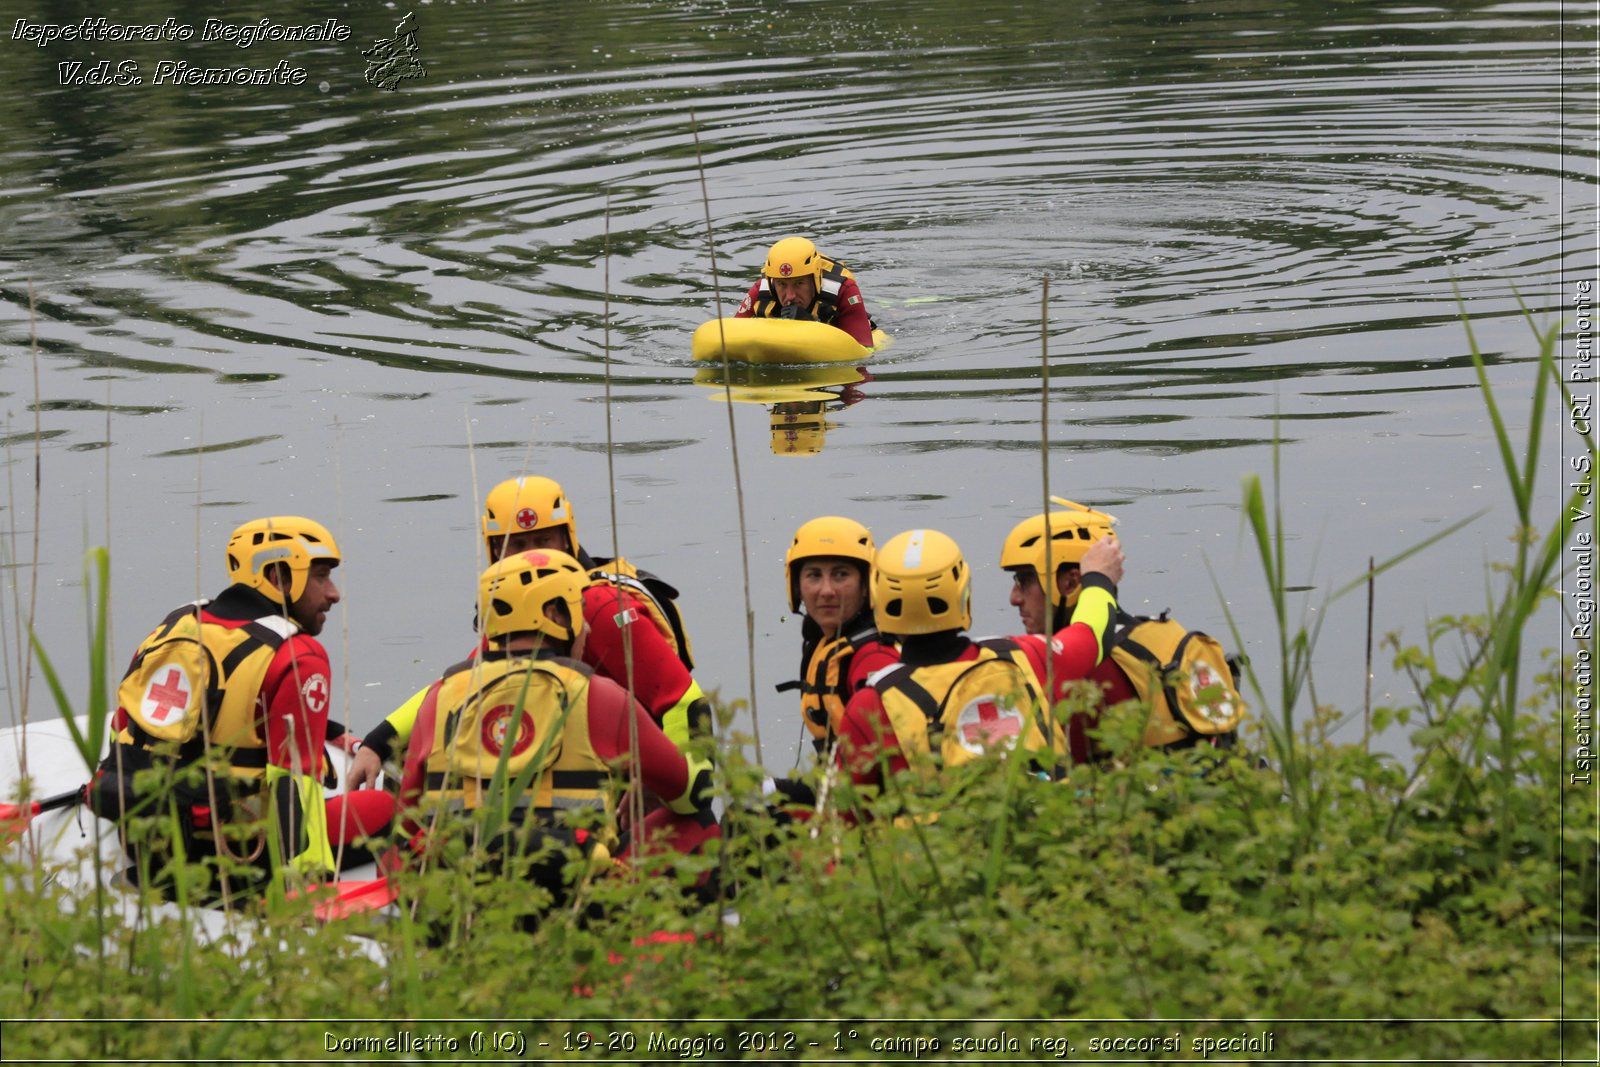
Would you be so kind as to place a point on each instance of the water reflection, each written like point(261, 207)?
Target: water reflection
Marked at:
point(798, 399)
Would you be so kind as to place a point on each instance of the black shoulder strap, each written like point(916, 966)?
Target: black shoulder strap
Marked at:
point(899, 680)
point(261, 636)
point(827, 300)
point(1002, 646)
point(862, 636)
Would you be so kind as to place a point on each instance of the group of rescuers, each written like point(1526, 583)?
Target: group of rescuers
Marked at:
point(581, 662)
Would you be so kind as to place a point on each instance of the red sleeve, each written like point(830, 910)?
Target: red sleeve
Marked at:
point(748, 307)
point(294, 701)
point(413, 776)
point(864, 733)
point(661, 765)
point(1075, 649)
point(659, 678)
point(853, 318)
point(869, 659)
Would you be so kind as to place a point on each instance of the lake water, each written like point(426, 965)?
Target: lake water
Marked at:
point(1256, 219)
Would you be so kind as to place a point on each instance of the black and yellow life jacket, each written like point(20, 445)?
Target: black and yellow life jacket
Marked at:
point(825, 308)
point(478, 718)
point(824, 678)
point(195, 684)
point(971, 707)
point(660, 601)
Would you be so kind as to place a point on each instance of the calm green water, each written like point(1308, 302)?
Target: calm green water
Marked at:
point(369, 306)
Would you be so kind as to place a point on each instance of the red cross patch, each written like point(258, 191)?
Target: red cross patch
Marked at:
point(984, 723)
point(314, 694)
point(785, 270)
point(527, 519)
point(170, 694)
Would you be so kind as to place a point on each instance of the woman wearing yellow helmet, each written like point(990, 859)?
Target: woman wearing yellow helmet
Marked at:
point(826, 569)
point(798, 282)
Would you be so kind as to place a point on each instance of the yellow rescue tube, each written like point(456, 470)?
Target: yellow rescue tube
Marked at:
point(780, 341)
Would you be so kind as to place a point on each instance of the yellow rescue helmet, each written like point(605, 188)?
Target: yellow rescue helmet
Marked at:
point(291, 540)
point(521, 505)
point(921, 584)
point(1071, 532)
point(794, 257)
point(513, 593)
point(831, 536)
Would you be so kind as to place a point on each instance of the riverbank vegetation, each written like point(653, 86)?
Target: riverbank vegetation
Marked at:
point(1305, 896)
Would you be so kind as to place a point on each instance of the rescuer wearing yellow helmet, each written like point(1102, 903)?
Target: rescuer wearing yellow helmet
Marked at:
point(241, 685)
point(634, 633)
point(1045, 603)
point(1030, 557)
point(827, 570)
point(955, 698)
point(798, 282)
point(1044, 554)
point(526, 697)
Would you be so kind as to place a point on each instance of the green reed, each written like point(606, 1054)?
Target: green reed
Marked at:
point(1536, 565)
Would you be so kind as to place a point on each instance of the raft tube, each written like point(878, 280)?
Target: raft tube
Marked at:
point(60, 835)
point(780, 341)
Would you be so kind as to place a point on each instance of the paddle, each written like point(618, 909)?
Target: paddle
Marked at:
point(14, 818)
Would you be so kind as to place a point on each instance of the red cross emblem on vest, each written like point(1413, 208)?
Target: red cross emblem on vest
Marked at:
point(527, 519)
point(785, 270)
point(166, 696)
point(314, 694)
point(991, 725)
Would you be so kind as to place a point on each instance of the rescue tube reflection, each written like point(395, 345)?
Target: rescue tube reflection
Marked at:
point(799, 399)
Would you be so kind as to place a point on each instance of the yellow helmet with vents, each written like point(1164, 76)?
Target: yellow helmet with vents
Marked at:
point(521, 505)
point(291, 540)
point(828, 535)
point(794, 257)
point(921, 584)
point(513, 595)
point(1071, 532)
